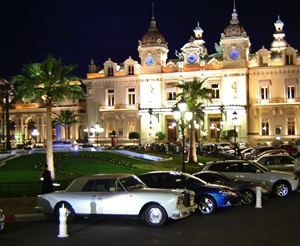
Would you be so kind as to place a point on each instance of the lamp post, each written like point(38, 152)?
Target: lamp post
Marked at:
point(234, 122)
point(181, 114)
point(97, 130)
point(35, 133)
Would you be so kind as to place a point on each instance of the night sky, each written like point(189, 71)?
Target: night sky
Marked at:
point(80, 30)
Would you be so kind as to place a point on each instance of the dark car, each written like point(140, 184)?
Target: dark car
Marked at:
point(247, 190)
point(208, 196)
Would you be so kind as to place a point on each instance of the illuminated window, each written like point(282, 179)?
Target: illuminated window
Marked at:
point(265, 127)
point(290, 90)
point(291, 126)
point(110, 71)
point(131, 95)
point(264, 92)
point(110, 97)
point(215, 88)
point(290, 87)
point(130, 70)
point(110, 126)
point(131, 126)
point(264, 61)
point(289, 60)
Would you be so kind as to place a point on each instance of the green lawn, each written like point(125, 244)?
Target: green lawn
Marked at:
point(69, 165)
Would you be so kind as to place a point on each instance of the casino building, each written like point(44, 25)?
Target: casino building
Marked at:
point(257, 94)
point(259, 91)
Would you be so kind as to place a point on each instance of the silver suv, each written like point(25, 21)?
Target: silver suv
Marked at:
point(281, 183)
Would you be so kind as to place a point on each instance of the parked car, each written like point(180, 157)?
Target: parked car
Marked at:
point(209, 197)
point(281, 183)
point(277, 161)
point(292, 150)
point(118, 195)
point(246, 189)
point(256, 151)
point(2, 219)
point(272, 152)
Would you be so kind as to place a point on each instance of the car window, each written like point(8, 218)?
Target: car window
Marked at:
point(285, 160)
point(132, 183)
point(233, 167)
point(248, 168)
point(219, 167)
point(210, 178)
point(100, 185)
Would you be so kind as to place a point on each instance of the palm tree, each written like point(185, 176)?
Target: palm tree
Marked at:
point(66, 118)
point(7, 93)
point(194, 93)
point(52, 82)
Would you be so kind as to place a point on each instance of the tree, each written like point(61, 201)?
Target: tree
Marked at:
point(133, 136)
point(194, 93)
point(161, 136)
point(232, 133)
point(7, 93)
point(66, 118)
point(53, 82)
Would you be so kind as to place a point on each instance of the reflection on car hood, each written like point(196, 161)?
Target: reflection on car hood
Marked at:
point(217, 186)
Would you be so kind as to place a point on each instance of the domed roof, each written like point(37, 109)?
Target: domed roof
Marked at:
point(153, 36)
point(234, 28)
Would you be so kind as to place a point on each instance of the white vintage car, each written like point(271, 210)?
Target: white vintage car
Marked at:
point(118, 194)
point(2, 219)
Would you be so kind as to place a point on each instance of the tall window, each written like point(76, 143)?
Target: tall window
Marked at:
point(131, 95)
point(264, 92)
point(290, 90)
point(131, 126)
point(130, 70)
point(264, 61)
point(110, 97)
point(171, 95)
point(216, 93)
point(265, 127)
point(110, 71)
point(289, 60)
point(291, 126)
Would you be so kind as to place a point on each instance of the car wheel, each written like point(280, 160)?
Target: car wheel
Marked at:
point(247, 196)
point(282, 189)
point(71, 213)
point(207, 205)
point(155, 215)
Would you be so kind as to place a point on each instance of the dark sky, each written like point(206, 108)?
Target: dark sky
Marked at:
point(80, 30)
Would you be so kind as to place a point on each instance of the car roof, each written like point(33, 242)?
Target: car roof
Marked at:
point(106, 175)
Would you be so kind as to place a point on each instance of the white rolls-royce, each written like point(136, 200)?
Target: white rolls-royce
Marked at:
point(118, 194)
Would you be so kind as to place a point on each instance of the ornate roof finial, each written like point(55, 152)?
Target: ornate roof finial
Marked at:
point(234, 15)
point(152, 22)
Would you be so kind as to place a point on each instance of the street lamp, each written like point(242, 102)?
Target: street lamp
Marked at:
point(97, 130)
point(35, 133)
point(234, 122)
point(181, 114)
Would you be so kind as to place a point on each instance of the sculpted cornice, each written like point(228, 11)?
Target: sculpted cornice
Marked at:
point(111, 81)
point(191, 75)
point(272, 72)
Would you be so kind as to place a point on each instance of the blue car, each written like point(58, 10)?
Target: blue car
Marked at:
point(209, 197)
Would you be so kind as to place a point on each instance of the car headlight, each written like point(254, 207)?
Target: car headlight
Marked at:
point(228, 193)
point(294, 177)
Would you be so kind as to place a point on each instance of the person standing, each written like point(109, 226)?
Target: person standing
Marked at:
point(297, 165)
point(47, 185)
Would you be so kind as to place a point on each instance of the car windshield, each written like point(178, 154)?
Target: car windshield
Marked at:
point(194, 179)
point(132, 183)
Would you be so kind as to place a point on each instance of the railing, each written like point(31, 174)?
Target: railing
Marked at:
point(28, 188)
point(278, 100)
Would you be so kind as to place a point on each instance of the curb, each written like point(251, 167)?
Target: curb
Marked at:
point(24, 217)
